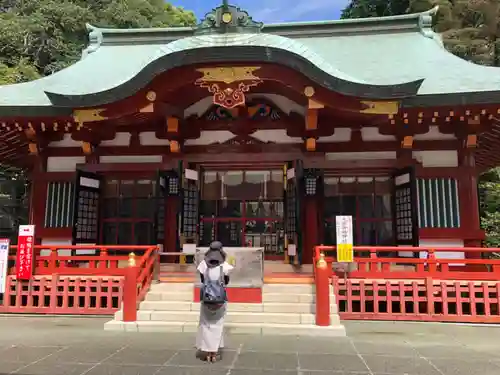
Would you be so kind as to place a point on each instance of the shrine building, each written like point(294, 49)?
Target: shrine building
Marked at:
point(258, 135)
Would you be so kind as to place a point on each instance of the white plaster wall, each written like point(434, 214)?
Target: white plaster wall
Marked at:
point(57, 242)
point(445, 158)
point(443, 243)
point(433, 134)
point(150, 139)
point(371, 155)
point(131, 159)
point(67, 141)
point(63, 251)
point(209, 137)
point(275, 135)
point(64, 163)
point(340, 135)
point(121, 139)
point(373, 134)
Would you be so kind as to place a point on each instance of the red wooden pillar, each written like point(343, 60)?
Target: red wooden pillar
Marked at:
point(171, 213)
point(470, 221)
point(38, 194)
point(311, 228)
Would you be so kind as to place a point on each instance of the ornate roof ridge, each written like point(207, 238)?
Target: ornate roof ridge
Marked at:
point(238, 21)
point(415, 21)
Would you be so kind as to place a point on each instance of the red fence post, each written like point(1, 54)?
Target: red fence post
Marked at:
point(322, 292)
point(130, 291)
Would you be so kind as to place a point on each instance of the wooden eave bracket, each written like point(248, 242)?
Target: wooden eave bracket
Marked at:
point(310, 144)
point(313, 108)
point(175, 146)
point(407, 142)
point(471, 141)
point(172, 125)
point(87, 148)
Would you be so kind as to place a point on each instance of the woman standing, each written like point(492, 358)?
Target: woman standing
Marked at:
point(212, 269)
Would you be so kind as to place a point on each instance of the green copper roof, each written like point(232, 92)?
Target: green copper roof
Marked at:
point(401, 50)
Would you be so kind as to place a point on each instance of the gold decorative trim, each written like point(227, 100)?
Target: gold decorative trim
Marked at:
point(228, 84)
point(228, 75)
point(88, 115)
point(151, 96)
point(322, 263)
point(380, 108)
point(309, 91)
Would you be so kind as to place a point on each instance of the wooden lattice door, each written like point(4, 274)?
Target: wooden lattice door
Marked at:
point(161, 184)
point(86, 208)
point(190, 204)
point(404, 207)
point(292, 198)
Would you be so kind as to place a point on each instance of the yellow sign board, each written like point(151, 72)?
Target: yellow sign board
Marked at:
point(345, 253)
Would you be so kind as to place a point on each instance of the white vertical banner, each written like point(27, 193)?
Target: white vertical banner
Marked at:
point(344, 229)
point(4, 262)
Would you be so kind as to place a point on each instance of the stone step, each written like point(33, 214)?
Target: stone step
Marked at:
point(293, 298)
point(185, 296)
point(172, 287)
point(267, 288)
point(291, 288)
point(274, 307)
point(231, 328)
point(232, 317)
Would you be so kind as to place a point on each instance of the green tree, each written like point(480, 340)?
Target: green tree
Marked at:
point(40, 37)
point(375, 8)
point(471, 30)
point(489, 193)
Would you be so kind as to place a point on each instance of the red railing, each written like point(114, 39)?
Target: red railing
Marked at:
point(79, 284)
point(378, 287)
point(376, 263)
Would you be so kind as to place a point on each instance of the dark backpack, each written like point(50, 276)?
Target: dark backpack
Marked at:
point(213, 292)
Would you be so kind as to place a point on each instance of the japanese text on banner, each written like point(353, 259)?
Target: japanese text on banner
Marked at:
point(24, 258)
point(344, 229)
point(4, 262)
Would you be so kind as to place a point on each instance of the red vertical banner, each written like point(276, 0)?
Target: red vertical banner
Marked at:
point(24, 258)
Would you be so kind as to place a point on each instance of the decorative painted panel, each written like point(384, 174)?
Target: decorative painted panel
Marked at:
point(59, 205)
point(438, 203)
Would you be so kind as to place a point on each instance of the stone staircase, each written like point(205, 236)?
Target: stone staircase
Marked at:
point(287, 309)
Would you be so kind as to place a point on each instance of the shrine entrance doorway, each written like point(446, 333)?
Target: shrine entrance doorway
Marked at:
point(244, 208)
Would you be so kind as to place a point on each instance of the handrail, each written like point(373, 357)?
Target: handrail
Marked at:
point(98, 264)
point(370, 265)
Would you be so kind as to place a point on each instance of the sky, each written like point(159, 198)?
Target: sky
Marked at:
point(273, 11)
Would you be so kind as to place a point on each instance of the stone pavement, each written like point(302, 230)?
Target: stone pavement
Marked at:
point(79, 346)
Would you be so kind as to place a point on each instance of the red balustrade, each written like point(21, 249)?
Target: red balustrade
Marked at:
point(377, 263)
point(84, 284)
point(430, 288)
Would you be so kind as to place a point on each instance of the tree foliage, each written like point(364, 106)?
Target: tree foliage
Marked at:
point(470, 29)
point(40, 37)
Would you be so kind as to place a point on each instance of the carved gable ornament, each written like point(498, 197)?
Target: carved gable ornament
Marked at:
point(227, 19)
point(228, 84)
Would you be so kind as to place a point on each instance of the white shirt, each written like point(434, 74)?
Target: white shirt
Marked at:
point(214, 273)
